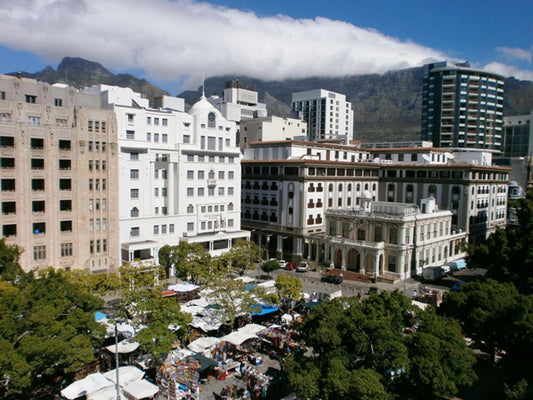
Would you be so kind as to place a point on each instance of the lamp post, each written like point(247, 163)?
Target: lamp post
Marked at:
point(116, 361)
point(268, 246)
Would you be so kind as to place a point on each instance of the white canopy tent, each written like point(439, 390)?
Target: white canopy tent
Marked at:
point(140, 389)
point(243, 334)
point(90, 384)
point(124, 347)
point(204, 345)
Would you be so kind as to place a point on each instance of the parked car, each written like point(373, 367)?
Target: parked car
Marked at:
point(291, 266)
point(282, 263)
point(332, 279)
point(446, 270)
point(303, 267)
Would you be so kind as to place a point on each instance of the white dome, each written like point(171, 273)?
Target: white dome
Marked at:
point(202, 108)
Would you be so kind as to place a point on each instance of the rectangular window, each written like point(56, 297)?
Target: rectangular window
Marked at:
point(156, 137)
point(66, 249)
point(66, 205)
point(164, 192)
point(190, 158)
point(130, 135)
point(135, 231)
point(163, 229)
point(30, 98)
point(148, 136)
point(156, 229)
point(164, 122)
point(58, 102)
point(156, 192)
point(171, 228)
point(156, 121)
point(134, 156)
point(91, 246)
point(130, 118)
point(190, 174)
point(190, 226)
point(201, 191)
point(148, 120)
point(39, 253)
point(231, 175)
point(201, 174)
point(164, 138)
point(65, 226)
point(134, 193)
point(190, 192)
point(186, 139)
point(34, 120)
point(220, 174)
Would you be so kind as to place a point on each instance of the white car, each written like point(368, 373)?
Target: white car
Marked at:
point(303, 267)
point(282, 263)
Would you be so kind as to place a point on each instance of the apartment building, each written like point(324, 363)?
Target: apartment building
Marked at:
point(58, 171)
point(271, 128)
point(179, 175)
point(328, 115)
point(462, 107)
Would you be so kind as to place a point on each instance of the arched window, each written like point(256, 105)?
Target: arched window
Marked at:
point(190, 209)
point(230, 207)
point(349, 187)
point(211, 120)
point(340, 187)
point(374, 187)
point(366, 186)
point(358, 187)
point(134, 212)
point(211, 174)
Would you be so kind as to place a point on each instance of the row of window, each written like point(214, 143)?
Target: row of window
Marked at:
point(39, 252)
point(38, 228)
point(164, 121)
point(97, 224)
point(95, 164)
point(96, 146)
point(37, 185)
point(98, 246)
point(211, 159)
point(211, 174)
point(94, 184)
point(96, 126)
point(35, 143)
point(210, 191)
point(38, 206)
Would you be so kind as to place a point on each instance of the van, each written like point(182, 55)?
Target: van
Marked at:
point(446, 270)
point(458, 265)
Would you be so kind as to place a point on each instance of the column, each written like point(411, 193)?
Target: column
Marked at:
point(362, 261)
point(279, 246)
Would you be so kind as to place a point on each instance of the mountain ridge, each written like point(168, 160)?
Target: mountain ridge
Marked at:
point(386, 106)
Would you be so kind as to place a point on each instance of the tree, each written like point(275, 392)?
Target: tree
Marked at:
point(47, 327)
point(10, 269)
point(161, 317)
point(360, 350)
point(289, 289)
point(192, 261)
point(269, 266)
point(243, 255)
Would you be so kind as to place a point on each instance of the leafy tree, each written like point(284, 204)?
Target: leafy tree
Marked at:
point(47, 329)
point(192, 261)
point(360, 351)
point(269, 266)
point(161, 316)
point(132, 277)
point(243, 255)
point(289, 289)
point(10, 269)
point(234, 299)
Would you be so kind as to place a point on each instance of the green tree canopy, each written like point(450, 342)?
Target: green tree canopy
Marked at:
point(10, 269)
point(289, 289)
point(269, 266)
point(243, 255)
point(47, 329)
point(360, 350)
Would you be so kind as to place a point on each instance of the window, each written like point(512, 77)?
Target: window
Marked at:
point(164, 138)
point(36, 143)
point(190, 209)
point(171, 228)
point(134, 156)
point(39, 253)
point(58, 102)
point(148, 136)
point(230, 191)
point(148, 120)
point(66, 226)
point(134, 212)
point(34, 120)
point(36, 185)
point(190, 174)
point(156, 229)
point(190, 192)
point(164, 192)
point(190, 226)
point(134, 231)
point(156, 192)
point(30, 98)
point(10, 207)
point(91, 246)
point(65, 205)
point(231, 175)
point(130, 118)
point(130, 135)
point(134, 193)
point(156, 137)
point(220, 174)
point(156, 121)
point(190, 158)
point(164, 122)
point(186, 138)
point(163, 229)
point(201, 192)
point(66, 249)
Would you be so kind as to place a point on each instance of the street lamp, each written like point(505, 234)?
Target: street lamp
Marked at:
point(116, 361)
point(268, 246)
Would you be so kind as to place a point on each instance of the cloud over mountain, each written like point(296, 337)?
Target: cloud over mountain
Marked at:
point(180, 40)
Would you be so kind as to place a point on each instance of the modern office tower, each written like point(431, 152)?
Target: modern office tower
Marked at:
point(239, 102)
point(179, 175)
point(328, 114)
point(462, 107)
point(58, 171)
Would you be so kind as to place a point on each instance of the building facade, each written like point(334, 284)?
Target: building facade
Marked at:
point(271, 129)
point(179, 176)
point(328, 115)
point(58, 169)
point(462, 107)
point(239, 102)
point(392, 241)
point(289, 186)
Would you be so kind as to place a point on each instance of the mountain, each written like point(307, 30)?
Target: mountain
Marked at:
point(80, 73)
point(386, 107)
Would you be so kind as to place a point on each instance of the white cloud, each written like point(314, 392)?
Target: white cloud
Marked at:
point(516, 53)
point(509, 70)
point(180, 40)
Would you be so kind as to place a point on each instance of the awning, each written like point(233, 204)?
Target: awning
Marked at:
point(90, 384)
point(140, 389)
point(99, 315)
point(203, 344)
point(245, 279)
point(124, 347)
point(183, 287)
point(243, 334)
point(265, 309)
point(205, 362)
point(127, 374)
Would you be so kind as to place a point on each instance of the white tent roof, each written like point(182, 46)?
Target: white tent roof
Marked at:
point(419, 304)
point(180, 354)
point(124, 347)
point(267, 284)
point(202, 344)
point(206, 324)
point(245, 279)
point(193, 310)
point(127, 374)
point(201, 302)
point(140, 389)
point(85, 386)
point(243, 334)
point(107, 393)
point(183, 287)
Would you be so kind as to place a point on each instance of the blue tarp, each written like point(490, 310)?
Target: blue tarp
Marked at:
point(265, 309)
point(98, 315)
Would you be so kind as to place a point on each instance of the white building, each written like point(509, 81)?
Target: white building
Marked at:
point(239, 102)
point(271, 129)
point(179, 175)
point(391, 241)
point(328, 114)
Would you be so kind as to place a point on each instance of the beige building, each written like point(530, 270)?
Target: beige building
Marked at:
point(271, 129)
point(58, 176)
point(391, 241)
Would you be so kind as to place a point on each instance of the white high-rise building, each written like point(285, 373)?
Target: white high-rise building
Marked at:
point(179, 175)
point(328, 115)
point(239, 102)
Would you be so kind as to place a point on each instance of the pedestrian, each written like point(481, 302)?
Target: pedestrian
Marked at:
point(415, 293)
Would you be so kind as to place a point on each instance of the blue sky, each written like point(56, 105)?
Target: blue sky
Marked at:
point(173, 42)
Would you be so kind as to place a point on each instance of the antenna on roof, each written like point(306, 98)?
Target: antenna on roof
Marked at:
point(203, 85)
